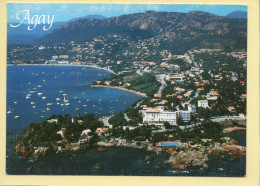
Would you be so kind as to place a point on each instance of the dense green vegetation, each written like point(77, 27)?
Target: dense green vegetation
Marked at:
point(45, 133)
point(146, 83)
point(207, 130)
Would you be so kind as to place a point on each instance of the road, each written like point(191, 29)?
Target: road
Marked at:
point(138, 103)
point(139, 72)
point(216, 119)
point(126, 117)
point(161, 78)
point(223, 118)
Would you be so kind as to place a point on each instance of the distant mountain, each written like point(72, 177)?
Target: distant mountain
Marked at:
point(237, 14)
point(21, 35)
point(94, 16)
point(177, 30)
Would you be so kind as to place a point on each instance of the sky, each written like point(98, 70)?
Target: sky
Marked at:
point(65, 11)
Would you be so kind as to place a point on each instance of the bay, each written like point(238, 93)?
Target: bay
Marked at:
point(50, 80)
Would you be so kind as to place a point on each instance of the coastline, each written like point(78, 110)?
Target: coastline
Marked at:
point(121, 88)
point(93, 66)
point(232, 129)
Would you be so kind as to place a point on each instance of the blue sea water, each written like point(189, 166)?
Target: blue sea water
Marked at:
point(50, 80)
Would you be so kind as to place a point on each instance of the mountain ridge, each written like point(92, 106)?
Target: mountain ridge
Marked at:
point(237, 14)
point(193, 25)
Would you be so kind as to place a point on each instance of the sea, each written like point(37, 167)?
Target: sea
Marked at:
point(35, 92)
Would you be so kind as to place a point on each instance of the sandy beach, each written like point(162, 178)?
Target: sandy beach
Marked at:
point(121, 88)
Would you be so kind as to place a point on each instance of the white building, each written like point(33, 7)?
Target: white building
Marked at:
point(184, 115)
point(54, 57)
point(53, 121)
point(63, 62)
point(191, 108)
point(158, 116)
point(203, 103)
point(64, 56)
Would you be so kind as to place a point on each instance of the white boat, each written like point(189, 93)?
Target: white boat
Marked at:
point(34, 107)
point(39, 93)
point(27, 97)
point(47, 108)
point(61, 104)
point(39, 86)
point(44, 97)
point(76, 109)
point(65, 97)
point(58, 103)
point(16, 117)
point(15, 102)
point(58, 99)
point(61, 91)
point(44, 80)
point(66, 101)
point(9, 112)
point(49, 104)
point(67, 104)
point(79, 101)
point(42, 116)
point(32, 103)
point(31, 92)
point(75, 97)
point(84, 105)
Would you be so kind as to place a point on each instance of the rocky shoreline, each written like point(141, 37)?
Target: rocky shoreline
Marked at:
point(232, 129)
point(197, 155)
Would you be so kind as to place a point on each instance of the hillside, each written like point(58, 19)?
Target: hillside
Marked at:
point(183, 29)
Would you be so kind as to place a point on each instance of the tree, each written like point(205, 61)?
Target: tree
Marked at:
point(212, 129)
point(167, 125)
point(159, 137)
point(180, 121)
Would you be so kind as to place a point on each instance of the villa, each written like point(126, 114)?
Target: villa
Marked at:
point(203, 103)
point(101, 131)
point(158, 116)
